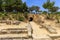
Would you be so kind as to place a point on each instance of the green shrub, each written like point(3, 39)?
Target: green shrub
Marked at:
point(44, 12)
point(26, 15)
point(21, 19)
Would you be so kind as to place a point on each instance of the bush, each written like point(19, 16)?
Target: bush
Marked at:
point(21, 19)
point(44, 12)
point(26, 15)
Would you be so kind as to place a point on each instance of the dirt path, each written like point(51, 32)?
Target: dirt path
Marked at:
point(37, 31)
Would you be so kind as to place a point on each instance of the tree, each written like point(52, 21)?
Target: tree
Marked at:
point(25, 7)
point(0, 5)
point(34, 8)
point(31, 9)
point(10, 4)
point(13, 5)
point(48, 5)
point(4, 4)
point(54, 9)
point(18, 6)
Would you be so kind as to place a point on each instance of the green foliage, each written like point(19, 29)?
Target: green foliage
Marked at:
point(57, 18)
point(0, 5)
point(44, 12)
point(48, 5)
point(25, 7)
point(34, 8)
point(21, 19)
point(54, 9)
point(26, 15)
point(51, 8)
point(57, 13)
point(10, 5)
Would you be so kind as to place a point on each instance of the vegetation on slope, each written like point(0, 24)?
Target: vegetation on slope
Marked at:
point(18, 10)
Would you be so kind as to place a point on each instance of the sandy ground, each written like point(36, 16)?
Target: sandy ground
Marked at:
point(4, 26)
point(41, 31)
point(37, 31)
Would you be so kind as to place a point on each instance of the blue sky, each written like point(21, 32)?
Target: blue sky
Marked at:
point(40, 3)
